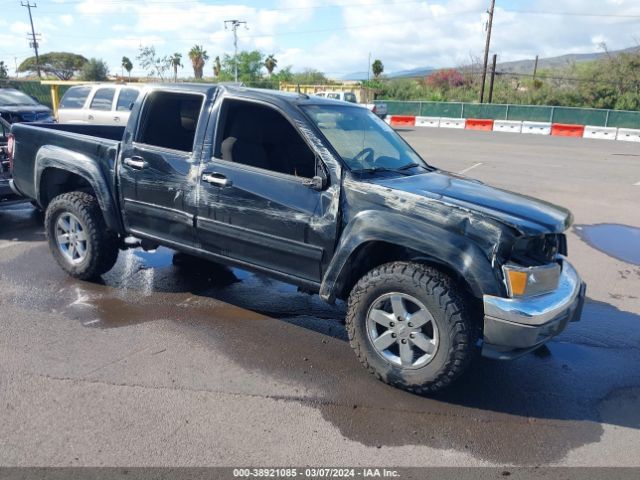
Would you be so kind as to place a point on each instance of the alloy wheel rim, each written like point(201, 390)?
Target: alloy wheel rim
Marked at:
point(402, 330)
point(71, 238)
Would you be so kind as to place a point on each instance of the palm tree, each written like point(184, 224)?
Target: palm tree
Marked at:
point(127, 65)
point(270, 63)
point(217, 67)
point(176, 61)
point(198, 57)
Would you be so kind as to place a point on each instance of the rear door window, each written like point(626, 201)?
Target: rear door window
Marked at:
point(169, 120)
point(126, 98)
point(75, 97)
point(103, 99)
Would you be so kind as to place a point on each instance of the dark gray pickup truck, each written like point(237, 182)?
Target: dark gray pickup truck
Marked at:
point(322, 194)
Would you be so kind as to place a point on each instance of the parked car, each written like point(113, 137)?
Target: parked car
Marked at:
point(101, 104)
point(5, 168)
point(380, 109)
point(17, 106)
point(321, 194)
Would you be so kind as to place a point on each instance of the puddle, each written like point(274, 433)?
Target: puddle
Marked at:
point(621, 242)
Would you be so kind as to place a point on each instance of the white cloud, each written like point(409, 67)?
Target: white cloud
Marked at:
point(66, 20)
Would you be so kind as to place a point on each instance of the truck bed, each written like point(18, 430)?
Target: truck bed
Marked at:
point(97, 144)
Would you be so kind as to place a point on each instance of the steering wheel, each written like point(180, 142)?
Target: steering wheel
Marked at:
point(366, 154)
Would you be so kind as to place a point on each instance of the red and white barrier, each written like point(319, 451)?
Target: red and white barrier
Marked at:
point(452, 122)
point(431, 122)
point(604, 133)
point(479, 124)
point(403, 121)
point(536, 128)
point(628, 135)
point(567, 130)
point(510, 126)
point(533, 128)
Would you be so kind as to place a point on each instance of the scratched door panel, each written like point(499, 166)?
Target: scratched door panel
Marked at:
point(163, 204)
point(263, 218)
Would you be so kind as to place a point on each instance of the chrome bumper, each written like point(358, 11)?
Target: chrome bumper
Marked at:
point(515, 326)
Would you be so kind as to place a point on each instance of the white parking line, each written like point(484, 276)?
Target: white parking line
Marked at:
point(470, 168)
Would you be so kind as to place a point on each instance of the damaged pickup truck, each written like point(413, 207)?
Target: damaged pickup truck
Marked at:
point(434, 267)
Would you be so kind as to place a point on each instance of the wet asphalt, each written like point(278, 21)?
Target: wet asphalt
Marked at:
point(174, 361)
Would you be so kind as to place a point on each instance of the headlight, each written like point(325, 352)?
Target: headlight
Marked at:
point(529, 281)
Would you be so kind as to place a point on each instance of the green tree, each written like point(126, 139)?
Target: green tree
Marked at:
point(198, 56)
point(153, 63)
point(176, 61)
point(309, 76)
point(95, 70)
point(377, 68)
point(127, 65)
point(4, 71)
point(270, 64)
point(63, 65)
point(249, 66)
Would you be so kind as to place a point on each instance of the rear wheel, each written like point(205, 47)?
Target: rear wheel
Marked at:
point(78, 237)
point(409, 326)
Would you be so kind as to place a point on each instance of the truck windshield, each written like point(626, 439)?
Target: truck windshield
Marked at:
point(364, 142)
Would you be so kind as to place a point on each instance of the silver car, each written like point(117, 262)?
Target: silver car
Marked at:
point(101, 104)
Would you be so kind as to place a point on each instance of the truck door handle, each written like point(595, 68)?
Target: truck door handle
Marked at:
point(216, 179)
point(136, 163)
point(116, 119)
point(90, 117)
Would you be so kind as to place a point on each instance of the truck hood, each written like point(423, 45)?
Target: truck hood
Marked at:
point(526, 214)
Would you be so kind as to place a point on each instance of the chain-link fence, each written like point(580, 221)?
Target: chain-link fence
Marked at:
point(42, 93)
point(533, 113)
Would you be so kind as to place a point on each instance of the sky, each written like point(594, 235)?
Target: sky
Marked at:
point(334, 36)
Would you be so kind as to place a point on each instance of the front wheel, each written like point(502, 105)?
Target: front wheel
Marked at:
point(409, 326)
point(78, 237)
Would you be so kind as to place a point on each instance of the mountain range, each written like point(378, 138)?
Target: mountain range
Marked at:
point(518, 66)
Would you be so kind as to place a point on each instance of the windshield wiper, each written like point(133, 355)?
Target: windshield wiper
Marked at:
point(408, 166)
point(381, 169)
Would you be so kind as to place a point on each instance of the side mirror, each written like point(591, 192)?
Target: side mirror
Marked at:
point(316, 183)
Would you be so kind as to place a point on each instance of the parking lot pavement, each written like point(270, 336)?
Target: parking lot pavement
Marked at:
point(167, 361)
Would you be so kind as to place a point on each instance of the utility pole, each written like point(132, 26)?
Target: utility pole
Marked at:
point(486, 49)
point(234, 26)
point(493, 77)
point(368, 78)
point(535, 68)
point(34, 42)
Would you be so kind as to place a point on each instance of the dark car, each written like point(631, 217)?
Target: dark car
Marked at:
point(5, 174)
point(321, 194)
point(17, 106)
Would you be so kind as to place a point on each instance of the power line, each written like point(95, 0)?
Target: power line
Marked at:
point(34, 41)
point(234, 26)
point(486, 48)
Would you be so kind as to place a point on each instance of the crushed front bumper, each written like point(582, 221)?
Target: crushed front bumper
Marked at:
point(515, 326)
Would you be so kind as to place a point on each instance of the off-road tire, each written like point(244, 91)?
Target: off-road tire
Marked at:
point(102, 244)
point(446, 303)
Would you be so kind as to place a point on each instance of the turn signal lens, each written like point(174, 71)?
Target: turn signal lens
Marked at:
point(530, 281)
point(517, 281)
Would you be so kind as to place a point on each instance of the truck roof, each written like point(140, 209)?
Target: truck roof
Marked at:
point(273, 96)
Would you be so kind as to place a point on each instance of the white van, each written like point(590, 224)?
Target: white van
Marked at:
point(101, 104)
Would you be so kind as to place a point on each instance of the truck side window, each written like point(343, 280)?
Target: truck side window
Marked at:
point(75, 97)
point(260, 136)
point(103, 99)
point(169, 120)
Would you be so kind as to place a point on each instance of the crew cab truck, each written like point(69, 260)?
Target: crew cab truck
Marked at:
point(434, 266)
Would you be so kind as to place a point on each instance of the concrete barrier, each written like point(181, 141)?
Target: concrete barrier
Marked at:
point(567, 130)
point(628, 135)
point(511, 126)
point(605, 133)
point(536, 128)
point(432, 122)
point(403, 121)
point(479, 124)
point(452, 122)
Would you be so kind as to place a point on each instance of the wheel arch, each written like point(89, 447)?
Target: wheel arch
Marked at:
point(59, 171)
